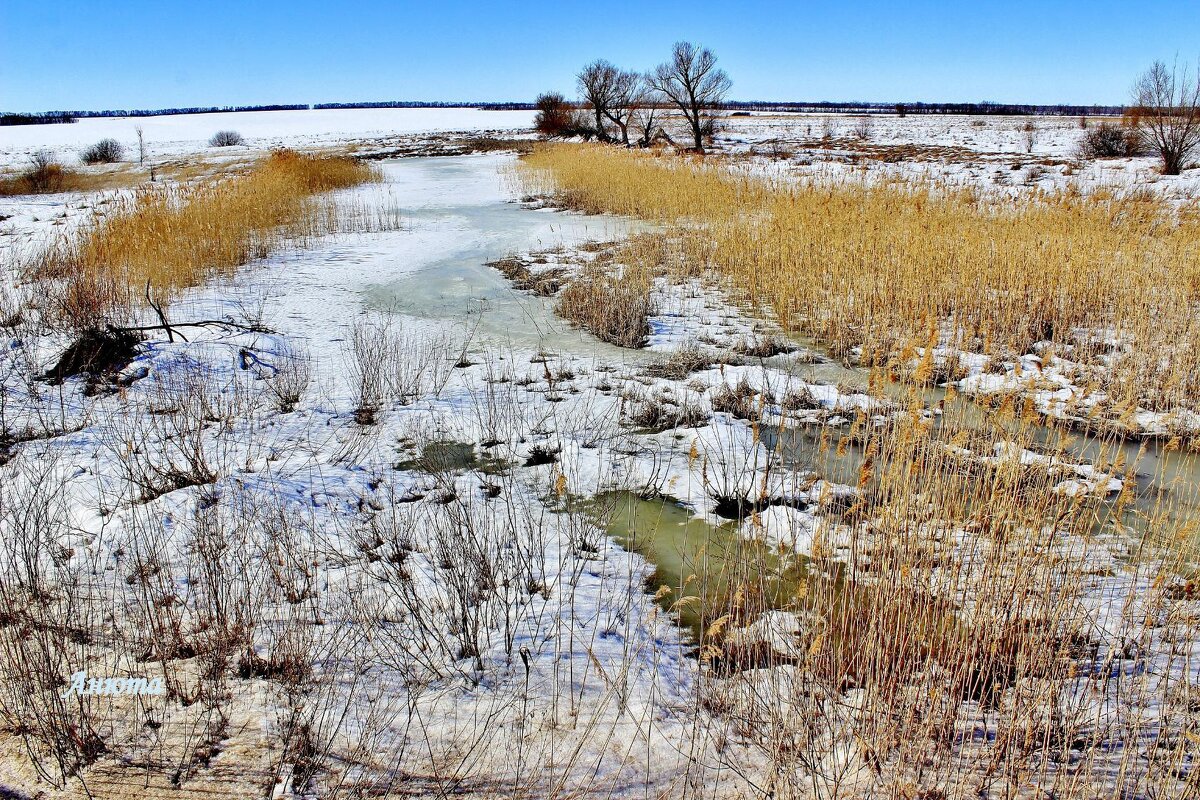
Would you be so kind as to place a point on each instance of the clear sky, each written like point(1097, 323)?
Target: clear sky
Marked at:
point(67, 54)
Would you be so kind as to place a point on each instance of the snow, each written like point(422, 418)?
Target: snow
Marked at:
point(987, 153)
point(577, 667)
point(180, 134)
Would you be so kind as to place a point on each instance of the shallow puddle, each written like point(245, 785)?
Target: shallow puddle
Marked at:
point(706, 569)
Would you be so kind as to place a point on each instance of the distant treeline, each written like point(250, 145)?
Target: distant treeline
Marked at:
point(983, 108)
point(49, 117)
point(71, 116)
point(431, 104)
point(36, 119)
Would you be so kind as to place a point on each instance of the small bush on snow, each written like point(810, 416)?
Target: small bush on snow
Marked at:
point(225, 139)
point(105, 151)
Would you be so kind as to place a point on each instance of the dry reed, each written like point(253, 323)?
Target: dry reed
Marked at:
point(881, 267)
point(177, 236)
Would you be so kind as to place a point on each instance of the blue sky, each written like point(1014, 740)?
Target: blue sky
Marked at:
point(57, 54)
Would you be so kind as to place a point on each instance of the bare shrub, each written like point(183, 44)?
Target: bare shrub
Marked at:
point(553, 115)
point(105, 151)
point(226, 139)
point(293, 373)
point(48, 620)
point(459, 585)
point(1167, 111)
point(863, 127)
point(183, 436)
point(653, 413)
point(387, 363)
point(43, 176)
point(1108, 140)
point(1029, 135)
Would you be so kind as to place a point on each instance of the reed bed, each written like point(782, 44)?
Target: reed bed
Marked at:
point(875, 270)
point(966, 624)
point(612, 300)
point(975, 620)
point(177, 236)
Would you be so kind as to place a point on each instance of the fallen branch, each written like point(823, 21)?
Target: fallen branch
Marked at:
point(172, 327)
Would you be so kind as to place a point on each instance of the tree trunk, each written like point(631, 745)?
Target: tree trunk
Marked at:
point(600, 134)
point(1172, 162)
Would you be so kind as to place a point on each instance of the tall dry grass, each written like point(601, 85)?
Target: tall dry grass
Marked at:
point(612, 300)
point(176, 236)
point(884, 267)
point(975, 620)
point(969, 623)
point(44, 175)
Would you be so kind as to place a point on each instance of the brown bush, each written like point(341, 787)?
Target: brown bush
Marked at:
point(553, 115)
point(44, 175)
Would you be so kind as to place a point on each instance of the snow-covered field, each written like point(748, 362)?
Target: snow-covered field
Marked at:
point(464, 624)
point(187, 134)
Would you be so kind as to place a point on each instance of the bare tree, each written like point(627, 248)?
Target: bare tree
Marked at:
point(1167, 109)
point(693, 82)
point(598, 86)
point(629, 94)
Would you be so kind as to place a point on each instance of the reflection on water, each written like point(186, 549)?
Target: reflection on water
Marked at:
point(1168, 480)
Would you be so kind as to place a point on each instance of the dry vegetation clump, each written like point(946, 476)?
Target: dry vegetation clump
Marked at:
point(652, 413)
point(43, 176)
point(543, 283)
point(225, 139)
point(681, 363)
point(177, 236)
point(1109, 140)
point(611, 303)
point(884, 267)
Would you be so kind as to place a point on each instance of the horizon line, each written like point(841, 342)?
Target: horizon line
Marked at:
point(526, 105)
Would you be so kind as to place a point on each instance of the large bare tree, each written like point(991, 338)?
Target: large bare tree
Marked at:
point(1167, 108)
point(692, 81)
point(598, 85)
